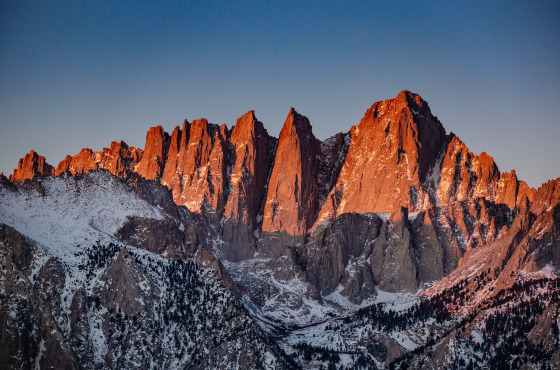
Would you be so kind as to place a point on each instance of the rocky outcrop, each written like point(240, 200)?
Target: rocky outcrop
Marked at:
point(81, 163)
point(30, 166)
point(292, 198)
point(197, 174)
point(466, 175)
point(428, 248)
point(330, 249)
point(176, 158)
point(119, 159)
point(30, 334)
point(523, 250)
point(153, 160)
point(392, 260)
point(390, 154)
point(248, 181)
point(160, 236)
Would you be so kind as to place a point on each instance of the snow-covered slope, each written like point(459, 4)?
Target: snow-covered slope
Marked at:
point(63, 212)
point(78, 297)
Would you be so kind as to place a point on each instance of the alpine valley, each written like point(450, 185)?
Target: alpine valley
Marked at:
point(387, 246)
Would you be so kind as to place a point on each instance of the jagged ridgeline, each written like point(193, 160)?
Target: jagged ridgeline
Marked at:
point(390, 245)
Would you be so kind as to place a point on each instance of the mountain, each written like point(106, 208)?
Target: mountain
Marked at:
point(30, 166)
point(85, 287)
point(388, 245)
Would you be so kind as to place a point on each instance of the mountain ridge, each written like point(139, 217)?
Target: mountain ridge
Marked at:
point(391, 245)
point(402, 140)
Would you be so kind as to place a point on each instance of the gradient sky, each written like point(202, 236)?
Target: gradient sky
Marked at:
point(81, 74)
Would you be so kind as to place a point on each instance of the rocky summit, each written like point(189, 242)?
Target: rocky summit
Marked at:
point(387, 246)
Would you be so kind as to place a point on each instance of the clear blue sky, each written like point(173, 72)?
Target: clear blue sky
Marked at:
point(81, 74)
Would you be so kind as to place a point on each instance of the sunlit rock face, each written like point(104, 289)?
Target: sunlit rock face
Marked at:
point(276, 192)
point(200, 174)
point(250, 165)
point(466, 175)
point(392, 151)
point(119, 159)
point(292, 198)
point(30, 166)
point(155, 154)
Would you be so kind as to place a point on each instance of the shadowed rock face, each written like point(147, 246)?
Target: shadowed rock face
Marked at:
point(26, 308)
point(332, 247)
point(30, 166)
point(357, 252)
point(392, 260)
point(251, 161)
point(429, 251)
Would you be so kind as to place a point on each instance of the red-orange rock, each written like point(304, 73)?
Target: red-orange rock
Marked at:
point(507, 189)
point(250, 141)
point(30, 166)
point(292, 198)
point(82, 162)
point(251, 153)
point(465, 175)
point(523, 191)
point(152, 164)
point(173, 170)
point(118, 159)
point(196, 174)
point(391, 152)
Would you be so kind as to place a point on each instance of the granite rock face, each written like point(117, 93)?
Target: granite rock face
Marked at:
point(465, 175)
point(526, 246)
point(266, 196)
point(252, 160)
point(330, 250)
point(392, 260)
point(429, 251)
point(155, 154)
point(390, 154)
point(292, 199)
point(30, 166)
point(119, 159)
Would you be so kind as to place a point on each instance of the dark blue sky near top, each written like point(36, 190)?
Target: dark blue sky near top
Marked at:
point(81, 74)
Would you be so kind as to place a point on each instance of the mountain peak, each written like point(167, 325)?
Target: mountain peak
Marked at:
point(155, 154)
point(30, 166)
point(291, 201)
